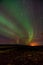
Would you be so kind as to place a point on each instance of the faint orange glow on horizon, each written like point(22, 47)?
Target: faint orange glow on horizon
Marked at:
point(34, 44)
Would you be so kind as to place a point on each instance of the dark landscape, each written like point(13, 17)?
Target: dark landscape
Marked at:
point(21, 55)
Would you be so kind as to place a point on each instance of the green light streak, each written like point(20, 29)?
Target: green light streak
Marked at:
point(7, 33)
point(19, 12)
point(16, 9)
point(10, 25)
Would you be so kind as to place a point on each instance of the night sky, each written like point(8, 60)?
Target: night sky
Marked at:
point(21, 19)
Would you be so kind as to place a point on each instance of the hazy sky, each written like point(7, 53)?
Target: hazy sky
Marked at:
point(34, 9)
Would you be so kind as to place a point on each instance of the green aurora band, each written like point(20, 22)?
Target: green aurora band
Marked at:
point(7, 23)
point(16, 9)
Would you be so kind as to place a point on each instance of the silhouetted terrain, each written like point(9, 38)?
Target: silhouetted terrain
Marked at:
point(21, 55)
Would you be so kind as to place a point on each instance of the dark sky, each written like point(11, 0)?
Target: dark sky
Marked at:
point(36, 15)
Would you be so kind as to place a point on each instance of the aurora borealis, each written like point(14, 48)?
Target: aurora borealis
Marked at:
point(16, 20)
